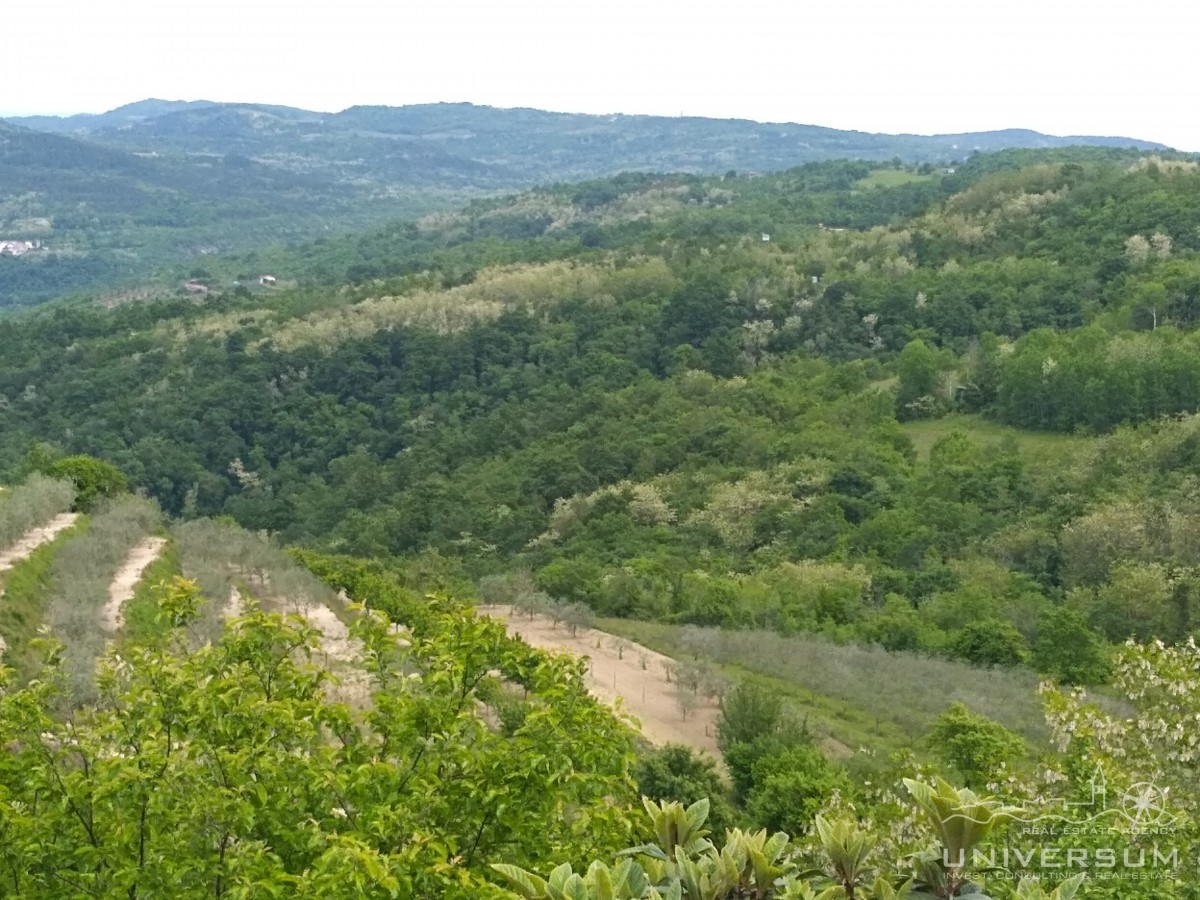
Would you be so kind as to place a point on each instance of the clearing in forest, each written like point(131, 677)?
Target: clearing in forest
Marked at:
point(127, 577)
point(623, 669)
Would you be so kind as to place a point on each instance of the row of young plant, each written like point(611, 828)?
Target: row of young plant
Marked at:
point(226, 560)
point(1010, 841)
point(80, 577)
point(227, 769)
point(33, 502)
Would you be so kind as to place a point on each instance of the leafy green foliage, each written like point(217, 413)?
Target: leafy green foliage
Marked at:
point(974, 745)
point(748, 712)
point(94, 479)
point(160, 790)
point(990, 643)
point(1068, 650)
point(677, 773)
point(790, 785)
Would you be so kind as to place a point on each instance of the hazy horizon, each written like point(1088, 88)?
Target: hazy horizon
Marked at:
point(12, 114)
point(930, 67)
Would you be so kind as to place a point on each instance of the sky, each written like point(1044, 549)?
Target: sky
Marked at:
point(922, 66)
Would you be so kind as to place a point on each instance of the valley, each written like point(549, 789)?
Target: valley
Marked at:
point(454, 551)
point(140, 199)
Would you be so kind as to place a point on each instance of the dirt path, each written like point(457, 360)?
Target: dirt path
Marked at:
point(636, 674)
point(236, 606)
point(34, 538)
point(335, 637)
point(126, 579)
point(343, 655)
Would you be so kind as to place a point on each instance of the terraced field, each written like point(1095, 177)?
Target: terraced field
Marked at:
point(629, 676)
point(90, 580)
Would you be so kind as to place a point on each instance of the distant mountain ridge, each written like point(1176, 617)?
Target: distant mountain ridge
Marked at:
point(520, 146)
point(114, 196)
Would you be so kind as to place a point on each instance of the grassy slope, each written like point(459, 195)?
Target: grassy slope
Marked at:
point(1037, 446)
point(860, 713)
point(26, 595)
point(891, 178)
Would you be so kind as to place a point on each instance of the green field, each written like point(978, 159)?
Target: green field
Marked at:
point(891, 178)
point(1036, 445)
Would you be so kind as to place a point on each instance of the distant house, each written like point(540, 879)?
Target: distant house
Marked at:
point(766, 237)
point(18, 248)
point(266, 279)
point(195, 287)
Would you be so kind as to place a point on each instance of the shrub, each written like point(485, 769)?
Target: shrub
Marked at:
point(1068, 650)
point(973, 744)
point(677, 773)
point(989, 643)
point(94, 479)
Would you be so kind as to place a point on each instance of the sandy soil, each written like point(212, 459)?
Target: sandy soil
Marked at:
point(127, 578)
point(236, 606)
point(341, 652)
point(643, 690)
point(342, 655)
point(34, 538)
point(335, 637)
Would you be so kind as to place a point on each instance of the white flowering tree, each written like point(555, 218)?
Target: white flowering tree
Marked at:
point(1140, 755)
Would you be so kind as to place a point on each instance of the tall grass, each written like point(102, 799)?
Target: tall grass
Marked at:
point(34, 502)
point(81, 574)
point(219, 557)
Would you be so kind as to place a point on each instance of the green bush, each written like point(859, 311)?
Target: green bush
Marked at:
point(677, 773)
point(94, 479)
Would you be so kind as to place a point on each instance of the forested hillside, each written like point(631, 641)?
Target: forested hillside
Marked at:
point(869, 450)
point(508, 147)
point(663, 415)
point(141, 197)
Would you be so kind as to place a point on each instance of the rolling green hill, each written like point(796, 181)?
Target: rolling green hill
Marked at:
point(114, 197)
point(868, 448)
point(511, 147)
point(623, 388)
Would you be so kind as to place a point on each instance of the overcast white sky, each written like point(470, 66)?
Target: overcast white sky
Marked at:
point(925, 66)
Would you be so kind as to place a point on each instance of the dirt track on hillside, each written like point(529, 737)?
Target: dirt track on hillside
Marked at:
point(343, 656)
point(643, 689)
point(236, 606)
point(126, 579)
point(30, 541)
point(34, 538)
